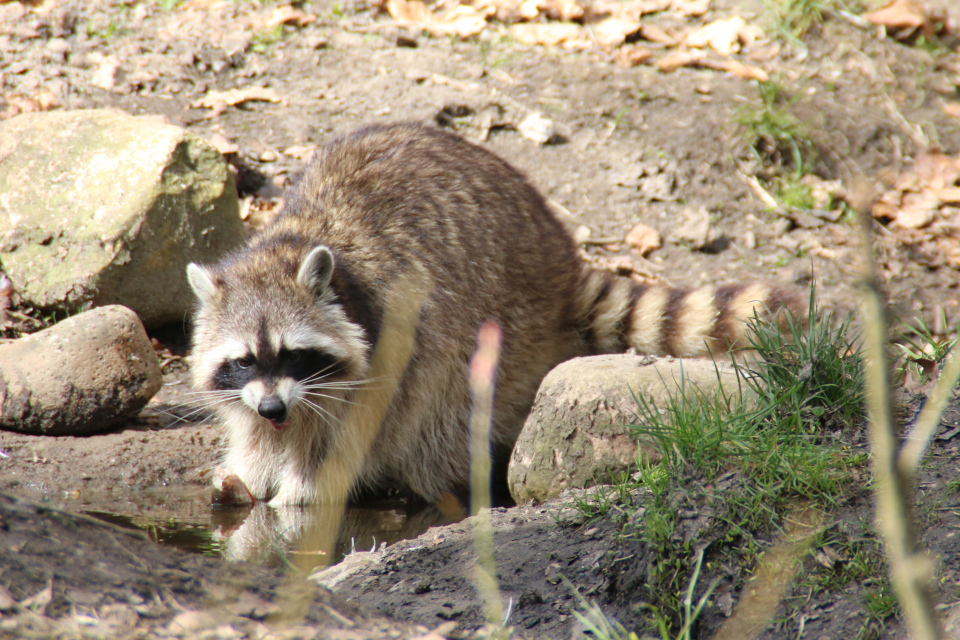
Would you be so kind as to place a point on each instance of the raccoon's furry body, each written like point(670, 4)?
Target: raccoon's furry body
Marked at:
point(309, 293)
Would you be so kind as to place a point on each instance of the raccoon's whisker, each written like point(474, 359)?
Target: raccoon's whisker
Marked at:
point(336, 383)
point(328, 387)
point(321, 374)
point(199, 404)
point(327, 417)
point(188, 416)
point(176, 419)
point(325, 395)
point(216, 393)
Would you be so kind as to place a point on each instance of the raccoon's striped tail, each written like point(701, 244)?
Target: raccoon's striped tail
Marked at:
point(616, 314)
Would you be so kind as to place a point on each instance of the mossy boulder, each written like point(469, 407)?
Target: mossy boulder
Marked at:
point(99, 208)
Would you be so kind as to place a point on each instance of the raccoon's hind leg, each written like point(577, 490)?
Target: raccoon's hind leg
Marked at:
point(616, 314)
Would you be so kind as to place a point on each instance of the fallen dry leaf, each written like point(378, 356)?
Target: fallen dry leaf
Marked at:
point(724, 36)
point(690, 8)
point(700, 58)
point(825, 193)
point(745, 71)
point(632, 55)
point(224, 146)
point(935, 169)
point(632, 9)
point(683, 58)
point(901, 16)
point(952, 109)
point(301, 152)
point(288, 14)
point(567, 34)
point(917, 210)
point(42, 100)
point(213, 99)
point(921, 212)
point(653, 33)
point(565, 10)
point(613, 32)
point(643, 239)
point(947, 195)
point(505, 11)
point(460, 20)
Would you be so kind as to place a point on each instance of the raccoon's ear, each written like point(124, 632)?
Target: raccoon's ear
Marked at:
point(201, 282)
point(316, 269)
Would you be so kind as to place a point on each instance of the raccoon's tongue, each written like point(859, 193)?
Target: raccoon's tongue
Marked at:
point(279, 425)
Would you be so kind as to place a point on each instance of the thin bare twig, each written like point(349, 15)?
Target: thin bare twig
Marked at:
point(910, 570)
point(483, 367)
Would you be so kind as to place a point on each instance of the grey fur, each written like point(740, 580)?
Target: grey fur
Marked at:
point(385, 199)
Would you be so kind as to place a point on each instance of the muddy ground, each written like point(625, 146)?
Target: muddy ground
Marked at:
point(633, 145)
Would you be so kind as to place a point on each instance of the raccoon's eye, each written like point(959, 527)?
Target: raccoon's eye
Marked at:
point(294, 354)
point(245, 362)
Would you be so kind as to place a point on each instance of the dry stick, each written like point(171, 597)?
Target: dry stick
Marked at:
point(762, 596)
point(359, 429)
point(483, 367)
point(910, 570)
point(923, 431)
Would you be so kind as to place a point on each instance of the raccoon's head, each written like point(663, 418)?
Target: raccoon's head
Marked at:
point(270, 337)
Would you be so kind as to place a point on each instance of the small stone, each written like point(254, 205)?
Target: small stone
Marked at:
point(537, 128)
point(108, 73)
point(423, 586)
point(58, 45)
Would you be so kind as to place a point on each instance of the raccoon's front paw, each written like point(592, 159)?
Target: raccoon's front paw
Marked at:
point(288, 498)
point(294, 492)
point(229, 490)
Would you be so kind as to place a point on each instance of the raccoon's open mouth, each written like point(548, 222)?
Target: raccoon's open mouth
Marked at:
point(279, 425)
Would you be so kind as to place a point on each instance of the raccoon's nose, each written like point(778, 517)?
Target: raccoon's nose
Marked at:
point(272, 408)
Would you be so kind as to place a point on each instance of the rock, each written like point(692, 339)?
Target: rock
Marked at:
point(82, 376)
point(356, 563)
point(101, 208)
point(576, 433)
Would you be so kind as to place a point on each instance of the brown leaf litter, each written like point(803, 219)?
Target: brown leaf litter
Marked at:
point(922, 209)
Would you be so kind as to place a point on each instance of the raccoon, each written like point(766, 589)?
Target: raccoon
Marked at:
point(285, 327)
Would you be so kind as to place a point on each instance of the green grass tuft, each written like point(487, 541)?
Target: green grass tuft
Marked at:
point(777, 137)
point(746, 458)
point(922, 351)
point(793, 19)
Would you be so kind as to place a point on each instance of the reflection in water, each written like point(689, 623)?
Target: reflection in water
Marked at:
point(189, 536)
point(272, 535)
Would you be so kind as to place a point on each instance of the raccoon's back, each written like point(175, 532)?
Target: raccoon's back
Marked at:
point(386, 199)
point(386, 195)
